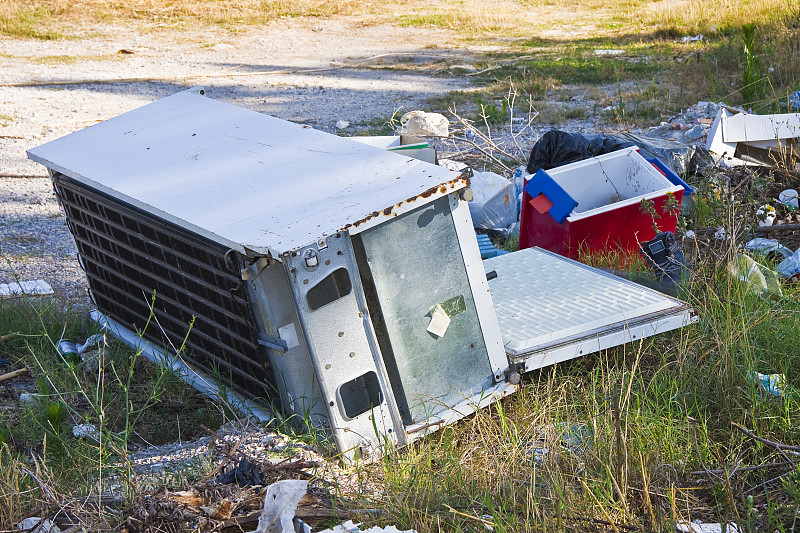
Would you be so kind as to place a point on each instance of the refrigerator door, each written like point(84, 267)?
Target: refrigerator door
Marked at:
point(551, 308)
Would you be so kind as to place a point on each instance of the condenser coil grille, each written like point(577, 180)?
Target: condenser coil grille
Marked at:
point(135, 261)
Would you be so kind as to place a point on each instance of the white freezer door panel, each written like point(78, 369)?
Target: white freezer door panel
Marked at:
point(544, 300)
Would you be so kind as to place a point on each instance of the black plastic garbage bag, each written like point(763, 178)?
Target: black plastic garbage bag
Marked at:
point(245, 474)
point(557, 148)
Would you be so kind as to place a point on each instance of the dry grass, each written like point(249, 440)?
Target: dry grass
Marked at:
point(563, 20)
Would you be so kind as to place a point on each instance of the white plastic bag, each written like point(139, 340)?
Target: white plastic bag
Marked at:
point(494, 205)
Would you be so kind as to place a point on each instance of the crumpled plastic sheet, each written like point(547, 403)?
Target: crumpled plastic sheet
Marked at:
point(494, 202)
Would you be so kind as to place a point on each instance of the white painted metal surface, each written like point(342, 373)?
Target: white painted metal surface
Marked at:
point(239, 177)
point(546, 302)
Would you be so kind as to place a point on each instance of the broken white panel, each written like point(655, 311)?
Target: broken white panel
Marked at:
point(715, 143)
point(744, 127)
point(37, 287)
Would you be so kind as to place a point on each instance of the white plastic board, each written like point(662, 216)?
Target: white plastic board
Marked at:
point(744, 127)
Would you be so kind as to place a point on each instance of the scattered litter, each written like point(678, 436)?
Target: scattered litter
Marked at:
point(766, 216)
point(701, 114)
point(36, 525)
point(280, 504)
point(790, 267)
point(691, 38)
point(665, 257)
point(37, 287)
point(760, 278)
point(608, 52)
point(342, 124)
point(789, 198)
point(350, 527)
point(72, 352)
point(690, 234)
point(86, 431)
point(768, 247)
point(245, 474)
point(573, 437)
point(494, 204)
point(794, 100)
point(772, 384)
point(455, 166)
point(754, 139)
point(26, 398)
point(488, 249)
point(720, 234)
point(422, 124)
point(684, 526)
point(557, 148)
point(695, 132)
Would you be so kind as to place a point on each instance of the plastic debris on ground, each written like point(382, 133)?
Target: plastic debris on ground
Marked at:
point(768, 247)
point(789, 198)
point(789, 267)
point(245, 474)
point(38, 287)
point(760, 278)
point(86, 431)
point(75, 353)
point(664, 255)
point(557, 148)
point(350, 527)
point(488, 249)
point(280, 504)
point(766, 216)
point(494, 204)
point(422, 124)
point(755, 139)
point(684, 526)
point(608, 52)
point(37, 525)
point(572, 437)
point(691, 38)
point(772, 384)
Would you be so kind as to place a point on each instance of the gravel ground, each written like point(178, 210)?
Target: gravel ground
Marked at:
point(320, 72)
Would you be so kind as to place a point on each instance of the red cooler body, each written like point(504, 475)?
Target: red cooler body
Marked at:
point(610, 202)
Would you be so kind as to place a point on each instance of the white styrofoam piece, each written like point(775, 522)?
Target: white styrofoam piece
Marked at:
point(38, 287)
point(239, 177)
point(610, 181)
point(744, 127)
point(542, 298)
point(715, 143)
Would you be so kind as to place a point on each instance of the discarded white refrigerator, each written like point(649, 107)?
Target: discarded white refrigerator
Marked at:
point(327, 278)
